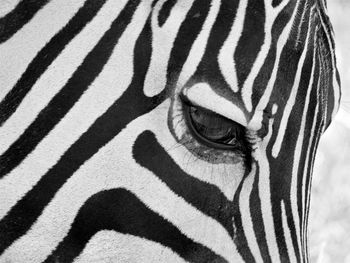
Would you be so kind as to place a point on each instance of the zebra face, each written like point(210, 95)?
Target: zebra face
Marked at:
point(162, 131)
point(278, 87)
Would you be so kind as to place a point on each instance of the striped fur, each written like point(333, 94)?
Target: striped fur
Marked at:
point(96, 161)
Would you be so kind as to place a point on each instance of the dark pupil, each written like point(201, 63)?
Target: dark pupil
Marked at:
point(213, 126)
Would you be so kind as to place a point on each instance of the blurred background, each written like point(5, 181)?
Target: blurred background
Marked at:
point(329, 226)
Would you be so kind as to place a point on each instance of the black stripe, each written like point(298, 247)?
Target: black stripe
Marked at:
point(325, 34)
point(328, 28)
point(278, 224)
point(208, 69)
point(251, 40)
point(122, 211)
point(276, 3)
point(327, 90)
point(69, 94)
point(165, 11)
point(131, 105)
point(45, 57)
point(287, 69)
point(18, 17)
point(309, 141)
point(315, 140)
point(310, 115)
point(240, 237)
point(205, 197)
point(265, 72)
point(292, 227)
point(283, 163)
point(258, 223)
point(309, 180)
point(306, 144)
point(185, 38)
point(296, 117)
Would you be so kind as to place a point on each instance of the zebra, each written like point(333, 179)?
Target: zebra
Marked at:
point(161, 130)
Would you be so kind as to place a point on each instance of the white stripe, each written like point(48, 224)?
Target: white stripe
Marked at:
point(247, 221)
point(17, 52)
point(305, 173)
point(117, 73)
point(278, 7)
point(287, 235)
point(199, 45)
point(302, 20)
point(58, 73)
point(292, 97)
point(226, 56)
point(317, 134)
point(6, 6)
point(162, 43)
point(110, 246)
point(265, 194)
point(265, 98)
point(306, 214)
point(271, 15)
point(296, 159)
point(95, 175)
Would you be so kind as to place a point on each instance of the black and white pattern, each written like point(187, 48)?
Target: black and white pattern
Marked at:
point(97, 161)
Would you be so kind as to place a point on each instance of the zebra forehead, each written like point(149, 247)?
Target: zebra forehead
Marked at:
point(233, 59)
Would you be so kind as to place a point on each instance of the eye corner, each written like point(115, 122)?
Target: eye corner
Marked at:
point(185, 100)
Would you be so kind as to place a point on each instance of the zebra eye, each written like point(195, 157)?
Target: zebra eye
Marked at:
point(214, 130)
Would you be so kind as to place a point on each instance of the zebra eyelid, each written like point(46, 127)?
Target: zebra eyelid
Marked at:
point(202, 95)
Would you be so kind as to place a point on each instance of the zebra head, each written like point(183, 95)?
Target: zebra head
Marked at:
point(173, 130)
